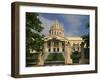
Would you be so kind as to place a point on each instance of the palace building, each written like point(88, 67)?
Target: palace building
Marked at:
point(57, 42)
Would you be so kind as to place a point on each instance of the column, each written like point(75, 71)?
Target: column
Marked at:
point(68, 52)
point(52, 44)
point(65, 53)
point(79, 48)
point(60, 46)
point(45, 53)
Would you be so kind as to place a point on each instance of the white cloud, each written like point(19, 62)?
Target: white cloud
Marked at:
point(46, 23)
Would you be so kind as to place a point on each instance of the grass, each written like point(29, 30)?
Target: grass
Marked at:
point(55, 57)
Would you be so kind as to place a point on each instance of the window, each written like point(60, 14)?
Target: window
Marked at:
point(63, 44)
point(54, 49)
point(56, 43)
point(49, 44)
point(58, 49)
point(49, 50)
point(63, 49)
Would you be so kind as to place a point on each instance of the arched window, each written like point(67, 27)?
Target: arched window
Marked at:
point(49, 50)
point(63, 44)
point(54, 49)
point(58, 49)
point(56, 43)
point(63, 49)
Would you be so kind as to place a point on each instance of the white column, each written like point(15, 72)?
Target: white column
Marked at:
point(52, 44)
point(45, 53)
point(60, 46)
point(79, 48)
point(68, 52)
point(65, 53)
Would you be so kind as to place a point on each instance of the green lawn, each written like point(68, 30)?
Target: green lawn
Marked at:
point(55, 57)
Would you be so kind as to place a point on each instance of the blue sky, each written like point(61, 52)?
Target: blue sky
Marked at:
point(74, 25)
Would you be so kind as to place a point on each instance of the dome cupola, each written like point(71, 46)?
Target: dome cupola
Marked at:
point(56, 29)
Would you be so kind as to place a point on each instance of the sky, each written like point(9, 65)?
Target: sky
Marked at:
point(73, 24)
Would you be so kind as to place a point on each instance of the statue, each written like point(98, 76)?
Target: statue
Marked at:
point(75, 56)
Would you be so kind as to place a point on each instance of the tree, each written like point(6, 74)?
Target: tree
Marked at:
point(33, 29)
point(75, 57)
point(86, 37)
point(86, 41)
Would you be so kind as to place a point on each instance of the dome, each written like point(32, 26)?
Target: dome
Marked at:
point(56, 29)
point(56, 26)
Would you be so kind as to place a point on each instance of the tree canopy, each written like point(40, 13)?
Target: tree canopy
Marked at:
point(33, 27)
point(86, 37)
